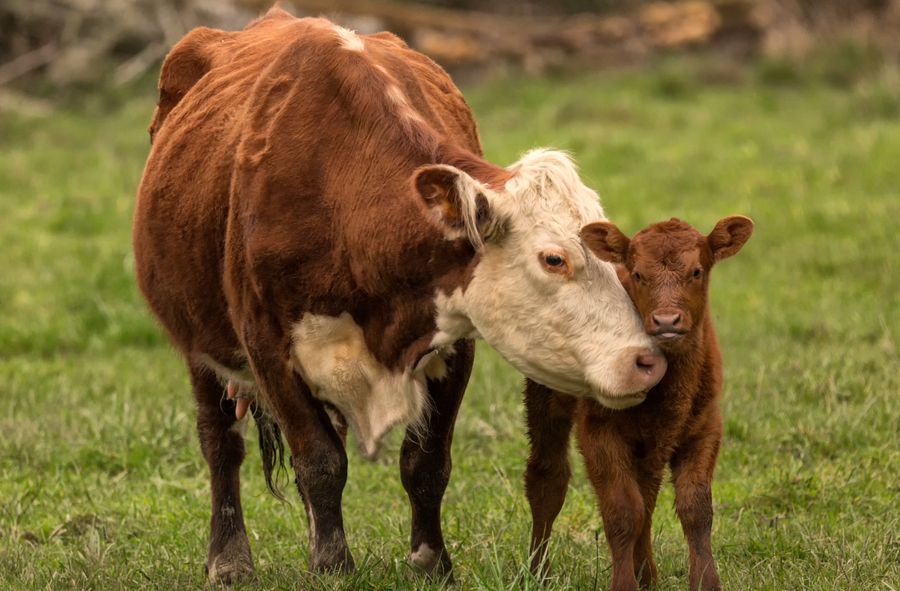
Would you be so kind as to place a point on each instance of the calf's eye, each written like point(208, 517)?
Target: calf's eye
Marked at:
point(698, 273)
point(636, 276)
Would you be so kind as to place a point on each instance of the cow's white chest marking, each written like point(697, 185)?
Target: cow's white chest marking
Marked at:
point(330, 354)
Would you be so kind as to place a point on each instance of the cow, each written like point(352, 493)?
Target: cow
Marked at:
point(666, 269)
point(319, 234)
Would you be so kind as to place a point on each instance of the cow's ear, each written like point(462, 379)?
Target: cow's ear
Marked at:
point(457, 202)
point(606, 241)
point(729, 236)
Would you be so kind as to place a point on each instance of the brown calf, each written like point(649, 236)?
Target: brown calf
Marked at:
point(665, 269)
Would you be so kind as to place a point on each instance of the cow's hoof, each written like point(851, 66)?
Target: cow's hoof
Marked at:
point(231, 565)
point(337, 561)
point(431, 563)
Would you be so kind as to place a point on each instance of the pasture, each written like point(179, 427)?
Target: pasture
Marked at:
point(102, 485)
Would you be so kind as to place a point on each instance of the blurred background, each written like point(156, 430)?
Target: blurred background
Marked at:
point(787, 111)
point(72, 43)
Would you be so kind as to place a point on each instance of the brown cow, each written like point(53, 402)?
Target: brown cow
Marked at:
point(317, 231)
point(666, 270)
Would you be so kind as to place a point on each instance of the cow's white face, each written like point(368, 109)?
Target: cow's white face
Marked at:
point(542, 299)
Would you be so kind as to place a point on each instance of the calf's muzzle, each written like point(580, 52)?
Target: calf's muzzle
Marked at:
point(667, 324)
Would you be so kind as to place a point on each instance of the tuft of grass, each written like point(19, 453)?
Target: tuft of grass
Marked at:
point(102, 485)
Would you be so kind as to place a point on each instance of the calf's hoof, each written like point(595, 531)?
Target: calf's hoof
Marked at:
point(232, 564)
point(434, 564)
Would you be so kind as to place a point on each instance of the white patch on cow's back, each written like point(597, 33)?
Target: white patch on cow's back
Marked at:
point(349, 39)
point(330, 354)
point(395, 95)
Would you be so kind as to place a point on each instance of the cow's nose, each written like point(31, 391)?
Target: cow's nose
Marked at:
point(651, 367)
point(667, 321)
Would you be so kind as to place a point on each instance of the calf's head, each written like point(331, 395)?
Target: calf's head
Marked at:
point(536, 294)
point(665, 269)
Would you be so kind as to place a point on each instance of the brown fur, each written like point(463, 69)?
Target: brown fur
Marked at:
point(277, 164)
point(665, 269)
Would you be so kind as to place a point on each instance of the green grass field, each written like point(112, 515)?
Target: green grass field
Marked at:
point(102, 485)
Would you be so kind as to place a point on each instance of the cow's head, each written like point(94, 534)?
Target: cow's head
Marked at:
point(665, 268)
point(537, 295)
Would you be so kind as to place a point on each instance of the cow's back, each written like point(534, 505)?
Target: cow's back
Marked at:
point(264, 144)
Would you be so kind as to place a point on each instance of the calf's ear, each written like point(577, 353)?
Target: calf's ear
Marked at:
point(456, 201)
point(624, 276)
point(606, 241)
point(729, 236)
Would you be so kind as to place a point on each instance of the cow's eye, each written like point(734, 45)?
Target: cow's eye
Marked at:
point(636, 276)
point(698, 273)
point(554, 260)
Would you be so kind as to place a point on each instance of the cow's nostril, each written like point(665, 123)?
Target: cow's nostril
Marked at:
point(677, 320)
point(652, 367)
point(647, 362)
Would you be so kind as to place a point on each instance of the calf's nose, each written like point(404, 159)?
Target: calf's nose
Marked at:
point(664, 321)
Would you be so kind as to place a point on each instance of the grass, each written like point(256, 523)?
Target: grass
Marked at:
point(101, 481)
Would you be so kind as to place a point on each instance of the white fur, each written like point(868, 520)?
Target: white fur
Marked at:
point(349, 39)
point(240, 426)
point(467, 191)
point(576, 334)
point(330, 354)
point(243, 377)
point(424, 557)
point(396, 96)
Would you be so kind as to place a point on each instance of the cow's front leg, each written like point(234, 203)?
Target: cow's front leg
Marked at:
point(317, 452)
point(425, 463)
point(222, 441)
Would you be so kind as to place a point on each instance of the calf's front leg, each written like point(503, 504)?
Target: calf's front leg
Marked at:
point(549, 419)
point(644, 566)
point(610, 469)
point(425, 463)
point(692, 474)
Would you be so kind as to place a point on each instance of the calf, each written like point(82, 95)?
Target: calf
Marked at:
point(665, 269)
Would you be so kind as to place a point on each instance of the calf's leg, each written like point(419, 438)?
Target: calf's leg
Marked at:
point(549, 420)
point(222, 442)
point(317, 452)
point(425, 463)
point(610, 469)
point(692, 473)
point(644, 566)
